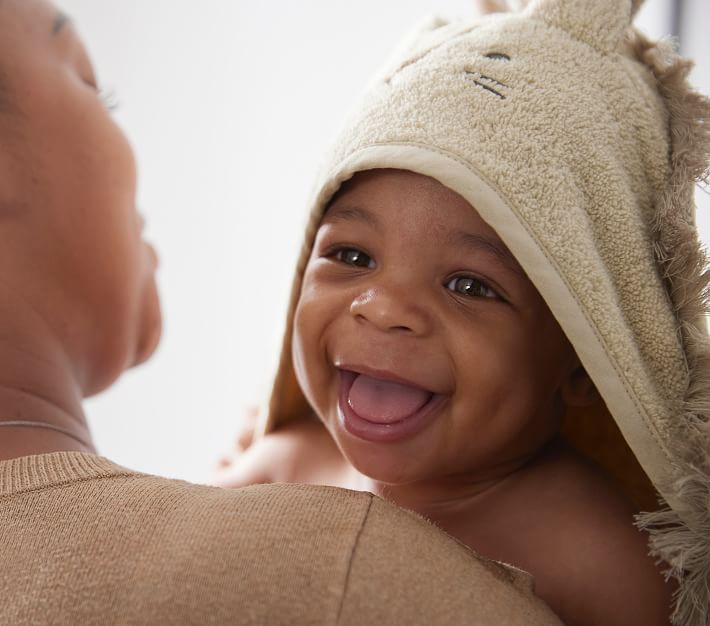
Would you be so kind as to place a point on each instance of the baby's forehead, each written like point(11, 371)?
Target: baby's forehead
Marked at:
point(372, 196)
point(401, 206)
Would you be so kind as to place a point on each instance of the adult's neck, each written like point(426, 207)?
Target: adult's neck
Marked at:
point(38, 384)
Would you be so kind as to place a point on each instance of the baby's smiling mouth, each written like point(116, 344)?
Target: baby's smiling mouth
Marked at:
point(382, 401)
point(376, 408)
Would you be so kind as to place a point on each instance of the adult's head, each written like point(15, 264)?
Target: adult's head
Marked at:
point(76, 279)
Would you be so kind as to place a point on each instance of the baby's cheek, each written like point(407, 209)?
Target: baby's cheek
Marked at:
point(298, 347)
point(304, 350)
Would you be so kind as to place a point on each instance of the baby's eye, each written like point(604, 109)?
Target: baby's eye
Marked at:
point(470, 286)
point(354, 257)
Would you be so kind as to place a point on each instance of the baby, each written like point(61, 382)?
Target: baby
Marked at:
point(502, 239)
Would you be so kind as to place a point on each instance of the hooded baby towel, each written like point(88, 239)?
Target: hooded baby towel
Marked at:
point(580, 142)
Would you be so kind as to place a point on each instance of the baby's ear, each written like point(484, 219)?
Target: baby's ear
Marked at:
point(578, 389)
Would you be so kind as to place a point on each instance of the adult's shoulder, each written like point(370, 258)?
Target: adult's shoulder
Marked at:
point(279, 548)
point(433, 578)
point(87, 541)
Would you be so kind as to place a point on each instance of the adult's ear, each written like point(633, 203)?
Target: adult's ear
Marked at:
point(577, 389)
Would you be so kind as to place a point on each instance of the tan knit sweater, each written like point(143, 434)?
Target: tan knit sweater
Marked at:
point(84, 541)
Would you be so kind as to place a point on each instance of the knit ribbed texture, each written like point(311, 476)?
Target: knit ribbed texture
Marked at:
point(51, 470)
point(85, 541)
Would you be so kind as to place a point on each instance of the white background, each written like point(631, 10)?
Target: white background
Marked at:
point(230, 104)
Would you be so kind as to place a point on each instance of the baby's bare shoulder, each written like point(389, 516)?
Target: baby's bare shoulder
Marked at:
point(307, 453)
point(300, 452)
point(589, 560)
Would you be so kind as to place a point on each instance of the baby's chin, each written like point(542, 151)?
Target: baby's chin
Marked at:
point(372, 464)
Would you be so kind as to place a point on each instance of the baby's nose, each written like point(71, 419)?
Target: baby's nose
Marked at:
point(390, 310)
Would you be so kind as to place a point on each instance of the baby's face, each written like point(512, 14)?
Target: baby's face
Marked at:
point(419, 340)
point(70, 197)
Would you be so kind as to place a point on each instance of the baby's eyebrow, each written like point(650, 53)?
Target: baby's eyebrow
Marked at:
point(481, 243)
point(352, 214)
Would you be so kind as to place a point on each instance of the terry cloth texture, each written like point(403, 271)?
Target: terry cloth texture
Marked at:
point(85, 541)
point(580, 142)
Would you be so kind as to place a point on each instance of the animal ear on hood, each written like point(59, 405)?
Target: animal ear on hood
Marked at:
point(485, 7)
point(601, 23)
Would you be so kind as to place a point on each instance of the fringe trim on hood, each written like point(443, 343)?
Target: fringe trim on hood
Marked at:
point(682, 538)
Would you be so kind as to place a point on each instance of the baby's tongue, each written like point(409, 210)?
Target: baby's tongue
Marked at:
point(384, 402)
